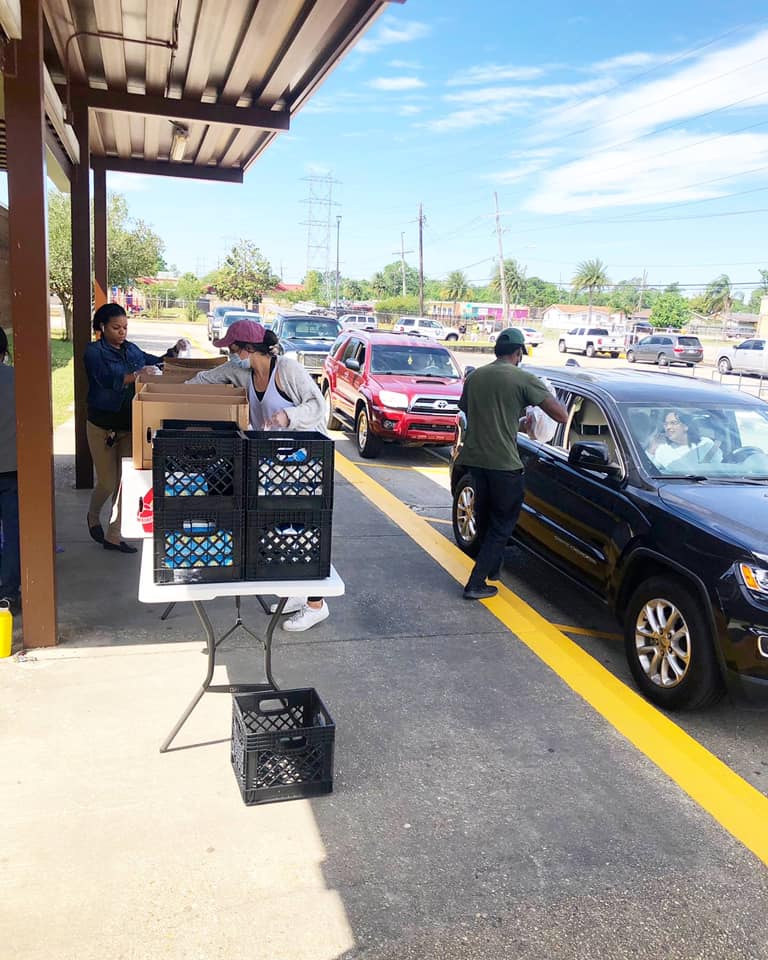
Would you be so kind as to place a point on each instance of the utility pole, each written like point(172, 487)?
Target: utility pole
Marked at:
point(502, 278)
point(403, 252)
point(338, 225)
point(642, 290)
point(421, 262)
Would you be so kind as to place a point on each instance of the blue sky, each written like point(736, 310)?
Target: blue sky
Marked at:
point(611, 130)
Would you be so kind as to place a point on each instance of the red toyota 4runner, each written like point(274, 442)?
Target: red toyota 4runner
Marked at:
point(390, 387)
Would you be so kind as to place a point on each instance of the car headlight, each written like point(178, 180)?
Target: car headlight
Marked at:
point(389, 398)
point(291, 355)
point(755, 578)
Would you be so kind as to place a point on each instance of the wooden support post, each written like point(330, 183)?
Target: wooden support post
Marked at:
point(81, 294)
point(101, 291)
point(30, 304)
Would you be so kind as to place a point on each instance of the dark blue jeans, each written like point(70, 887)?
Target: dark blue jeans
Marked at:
point(499, 498)
point(10, 569)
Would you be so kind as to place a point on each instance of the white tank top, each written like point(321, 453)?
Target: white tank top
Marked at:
point(270, 404)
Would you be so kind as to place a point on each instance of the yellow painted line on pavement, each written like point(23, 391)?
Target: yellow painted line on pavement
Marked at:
point(728, 798)
point(435, 519)
point(600, 634)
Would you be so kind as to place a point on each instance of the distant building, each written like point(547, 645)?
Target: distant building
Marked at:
point(564, 316)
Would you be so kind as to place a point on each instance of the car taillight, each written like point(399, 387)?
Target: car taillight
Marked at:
point(678, 349)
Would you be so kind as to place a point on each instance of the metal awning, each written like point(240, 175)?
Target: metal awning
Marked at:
point(193, 87)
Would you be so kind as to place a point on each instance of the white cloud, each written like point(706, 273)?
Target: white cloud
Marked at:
point(409, 109)
point(126, 182)
point(670, 168)
point(624, 60)
point(317, 170)
point(396, 83)
point(492, 72)
point(386, 36)
point(404, 65)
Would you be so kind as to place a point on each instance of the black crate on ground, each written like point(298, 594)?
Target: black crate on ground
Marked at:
point(288, 544)
point(205, 464)
point(197, 544)
point(282, 745)
point(288, 471)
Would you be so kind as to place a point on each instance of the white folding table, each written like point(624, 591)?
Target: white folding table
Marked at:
point(198, 593)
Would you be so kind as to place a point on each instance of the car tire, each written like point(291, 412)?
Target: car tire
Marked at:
point(590, 351)
point(468, 525)
point(562, 347)
point(683, 676)
point(452, 337)
point(614, 356)
point(368, 445)
point(662, 360)
point(631, 356)
point(724, 365)
point(331, 422)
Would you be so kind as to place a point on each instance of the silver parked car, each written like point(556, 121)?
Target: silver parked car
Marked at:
point(667, 348)
point(749, 357)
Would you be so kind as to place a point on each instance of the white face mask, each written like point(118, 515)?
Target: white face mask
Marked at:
point(239, 362)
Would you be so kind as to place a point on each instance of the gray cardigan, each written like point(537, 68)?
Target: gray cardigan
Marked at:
point(309, 410)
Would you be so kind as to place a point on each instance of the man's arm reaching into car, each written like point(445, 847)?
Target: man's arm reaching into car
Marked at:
point(553, 408)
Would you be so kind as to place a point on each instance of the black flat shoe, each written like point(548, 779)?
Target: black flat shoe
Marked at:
point(121, 547)
point(483, 592)
point(96, 532)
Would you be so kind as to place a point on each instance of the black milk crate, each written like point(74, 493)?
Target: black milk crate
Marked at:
point(288, 544)
point(282, 745)
point(288, 471)
point(204, 465)
point(197, 544)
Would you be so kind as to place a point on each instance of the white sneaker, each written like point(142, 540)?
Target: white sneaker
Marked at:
point(306, 617)
point(293, 605)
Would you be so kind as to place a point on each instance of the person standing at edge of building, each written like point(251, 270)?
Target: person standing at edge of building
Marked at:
point(10, 569)
point(494, 400)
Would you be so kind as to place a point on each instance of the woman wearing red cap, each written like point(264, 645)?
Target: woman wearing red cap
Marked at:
point(281, 395)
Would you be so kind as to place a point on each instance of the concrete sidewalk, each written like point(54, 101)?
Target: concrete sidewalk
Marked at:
point(480, 808)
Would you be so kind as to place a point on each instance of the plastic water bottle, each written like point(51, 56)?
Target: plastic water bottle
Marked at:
point(6, 630)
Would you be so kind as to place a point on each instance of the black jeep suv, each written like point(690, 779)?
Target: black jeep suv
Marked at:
point(654, 496)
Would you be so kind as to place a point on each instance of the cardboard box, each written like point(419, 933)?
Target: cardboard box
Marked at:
point(194, 363)
point(156, 402)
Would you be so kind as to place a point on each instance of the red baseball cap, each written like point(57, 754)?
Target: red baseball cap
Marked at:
point(242, 331)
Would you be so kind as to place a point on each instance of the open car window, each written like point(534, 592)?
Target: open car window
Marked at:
point(699, 440)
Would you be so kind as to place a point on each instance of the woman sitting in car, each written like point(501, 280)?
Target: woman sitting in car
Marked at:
point(681, 448)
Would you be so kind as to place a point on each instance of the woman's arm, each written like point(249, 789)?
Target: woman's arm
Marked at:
point(309, 410)
point(224, 373)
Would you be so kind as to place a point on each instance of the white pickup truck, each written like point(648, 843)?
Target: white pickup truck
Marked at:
point(425, 327)
point(590, 341)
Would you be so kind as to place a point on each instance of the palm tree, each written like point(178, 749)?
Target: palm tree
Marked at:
point(456, 287)
point(379, 284)
point(590, 276)
point(719, 295)
point(515, 281)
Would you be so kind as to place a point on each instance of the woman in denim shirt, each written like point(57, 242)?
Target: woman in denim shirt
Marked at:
point(112, 364)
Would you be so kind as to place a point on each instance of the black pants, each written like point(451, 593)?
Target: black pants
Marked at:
point(499, 498)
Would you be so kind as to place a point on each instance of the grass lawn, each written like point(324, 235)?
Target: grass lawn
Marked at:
point(62, 382)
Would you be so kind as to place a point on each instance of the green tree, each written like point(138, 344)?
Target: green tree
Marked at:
point(60, 253)
point(719, 295)
point(673, 288)
point(133, 248)
point(760, 292)
point(378, 285)
point(456, 286)
point(352, 290)
point(392, 275)
point(514, 279)
point(246, 274)
point(189, 289)
point(590, 276)
point(313, 286)
point(540, 293)
point(670, 311)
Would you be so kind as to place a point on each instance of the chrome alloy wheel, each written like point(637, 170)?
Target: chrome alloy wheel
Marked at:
point(362, 429)
point(466, 518)
point(663, 643)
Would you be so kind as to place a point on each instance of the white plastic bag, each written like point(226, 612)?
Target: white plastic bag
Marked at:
point(542, 426)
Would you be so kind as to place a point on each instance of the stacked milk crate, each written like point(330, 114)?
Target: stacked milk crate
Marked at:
point(234, 505)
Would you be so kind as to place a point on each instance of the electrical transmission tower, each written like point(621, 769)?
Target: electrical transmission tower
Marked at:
point(320, 204)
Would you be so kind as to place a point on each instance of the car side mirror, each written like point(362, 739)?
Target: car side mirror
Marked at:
point(352, 365)
point(592, 455)
point(468, 370)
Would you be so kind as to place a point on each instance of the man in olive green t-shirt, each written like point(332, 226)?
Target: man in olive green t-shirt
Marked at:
point(494, 399)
